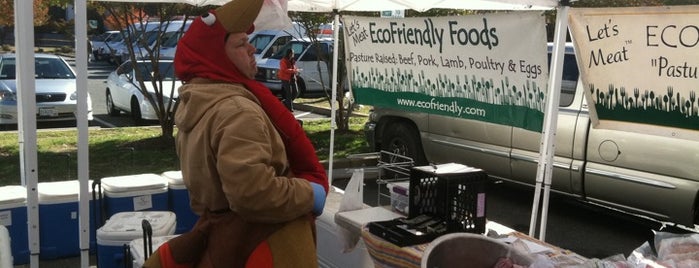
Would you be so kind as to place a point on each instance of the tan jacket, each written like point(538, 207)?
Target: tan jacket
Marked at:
point(231, 156)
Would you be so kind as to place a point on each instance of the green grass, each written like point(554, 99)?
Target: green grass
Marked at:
point(134, 150)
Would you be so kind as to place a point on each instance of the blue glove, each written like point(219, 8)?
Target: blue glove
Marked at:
point(318, 198)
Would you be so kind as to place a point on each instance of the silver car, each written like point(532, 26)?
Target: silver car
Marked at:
point(56, 94)
point(100, 45)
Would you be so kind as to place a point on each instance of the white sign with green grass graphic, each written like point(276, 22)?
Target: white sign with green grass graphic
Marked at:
point(490, 67)
point(639, 67)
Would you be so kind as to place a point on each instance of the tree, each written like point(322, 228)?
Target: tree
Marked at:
point(133, 19)
point(311, 22)
point(7, 20)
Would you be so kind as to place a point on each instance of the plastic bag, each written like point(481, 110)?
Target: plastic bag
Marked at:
point(353, 199)
point(273, 16)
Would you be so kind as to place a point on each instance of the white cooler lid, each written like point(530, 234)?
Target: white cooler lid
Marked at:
point(123, 227)
point(130, 183)
point(136, 193)
point(137, 252)
point(12, 194)
point(61, 191)
point(173, 177)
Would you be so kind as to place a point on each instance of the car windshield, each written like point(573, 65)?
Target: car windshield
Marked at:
point(171, 38)
point(260, 41)
point(165, 68)
point(298, 47)
point(117, 38)
point(150, 37)
point(44, 68)
point(101, 37)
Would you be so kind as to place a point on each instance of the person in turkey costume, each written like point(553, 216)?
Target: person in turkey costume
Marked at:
point(252, 173)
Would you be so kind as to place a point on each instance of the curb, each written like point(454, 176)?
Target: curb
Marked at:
point(320, 110)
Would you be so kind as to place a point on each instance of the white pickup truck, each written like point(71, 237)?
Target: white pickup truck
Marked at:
point(641, 174)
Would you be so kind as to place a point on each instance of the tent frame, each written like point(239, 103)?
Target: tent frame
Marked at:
point(27, 103)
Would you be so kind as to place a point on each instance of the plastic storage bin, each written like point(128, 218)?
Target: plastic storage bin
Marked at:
point(138, 253)
point(179, 201)
point(399, 196)
point(59, 226)
point(13, 215)
point(123, 227)
point(134, 193)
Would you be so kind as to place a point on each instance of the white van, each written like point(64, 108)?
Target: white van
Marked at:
point(314, 60)
point(268, 42)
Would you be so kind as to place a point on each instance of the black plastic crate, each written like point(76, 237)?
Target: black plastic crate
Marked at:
point(406, 232)
point(452, 192)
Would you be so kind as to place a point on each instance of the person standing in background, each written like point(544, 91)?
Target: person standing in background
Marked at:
point(287, 73)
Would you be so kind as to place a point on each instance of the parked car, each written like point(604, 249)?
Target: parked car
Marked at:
point(56, 93)
point(169, 32)
point(105, 51)
point(640, 174)
point(136, 33)
point(101, 43)
point(123, 92)
point(169, 42)
point(314, 61)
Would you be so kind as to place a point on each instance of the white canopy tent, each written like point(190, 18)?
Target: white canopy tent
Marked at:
point(547, 146)
point(24, 36)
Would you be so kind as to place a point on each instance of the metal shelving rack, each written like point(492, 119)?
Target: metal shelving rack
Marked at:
point(392, 168)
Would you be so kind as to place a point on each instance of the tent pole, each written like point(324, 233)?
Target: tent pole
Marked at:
point(333, 101)
point(84, 197)
point(547, 147)
point(26, 123)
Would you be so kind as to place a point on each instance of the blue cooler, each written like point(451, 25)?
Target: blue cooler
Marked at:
point(13, 215)
point(123, 227)
point(179, 201)
point(134, 193)
point(59, 227)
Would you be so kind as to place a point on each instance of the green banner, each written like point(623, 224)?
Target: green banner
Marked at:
point(480, 67)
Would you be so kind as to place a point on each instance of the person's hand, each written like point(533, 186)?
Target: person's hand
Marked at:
point(318, 198)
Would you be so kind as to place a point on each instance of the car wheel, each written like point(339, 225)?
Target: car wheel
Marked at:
point(111, 109)
point(402, 139)
point(136, 112)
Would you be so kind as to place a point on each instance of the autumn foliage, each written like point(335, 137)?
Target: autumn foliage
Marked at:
point(41, 12)
point(119, 19)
